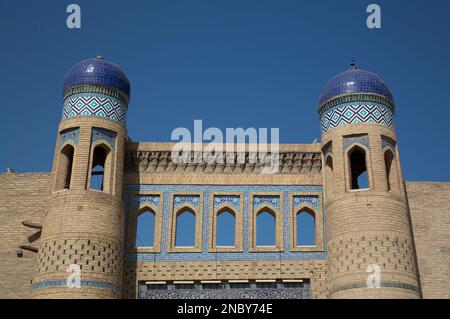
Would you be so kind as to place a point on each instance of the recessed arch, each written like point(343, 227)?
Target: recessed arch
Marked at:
point(306, 227)
point(266, 220)
point(392, 176)
point(185, 227)
point(145, 228)
point(225, 227)
point(64, 169)
point(357, 159)
point(101, 167)
point(329, 176)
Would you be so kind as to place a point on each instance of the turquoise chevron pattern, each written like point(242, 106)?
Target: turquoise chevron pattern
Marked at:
point(95, 105)
point(350, 113)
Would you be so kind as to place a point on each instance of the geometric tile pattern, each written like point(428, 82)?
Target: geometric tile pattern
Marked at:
point(226, 290)
point(362, 112)
point(104, 135)
point(132, 191)
point(95, 104)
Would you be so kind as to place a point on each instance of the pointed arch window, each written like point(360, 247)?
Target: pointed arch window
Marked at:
point(145, 233)
point(391, 170)
point(306, 228)
point(329, 175)
point(101, 168)
point(265, 228)
point(226, 228)
point(185, 228)
point(359, 178)
point(65, 164)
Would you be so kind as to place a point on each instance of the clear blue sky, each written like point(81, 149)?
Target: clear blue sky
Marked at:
point(231, 64)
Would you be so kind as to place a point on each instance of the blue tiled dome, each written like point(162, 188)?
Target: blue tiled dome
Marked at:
point(100, 72)
point(354, 81)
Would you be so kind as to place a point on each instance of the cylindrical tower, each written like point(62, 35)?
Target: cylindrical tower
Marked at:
point(369, 239)
point(80, 254)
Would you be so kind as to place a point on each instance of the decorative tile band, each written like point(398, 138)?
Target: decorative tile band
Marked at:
point(84, 283)
point(95, 104)
point(351, 113)
point(69, 135)
point(106, 135)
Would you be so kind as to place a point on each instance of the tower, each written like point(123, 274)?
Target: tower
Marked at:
point(368, 230)
point(80, 254)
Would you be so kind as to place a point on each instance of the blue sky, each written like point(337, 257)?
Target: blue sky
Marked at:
point(231, 64)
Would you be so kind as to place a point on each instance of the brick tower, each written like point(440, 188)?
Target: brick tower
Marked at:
point(369, 240)
point(83, 229)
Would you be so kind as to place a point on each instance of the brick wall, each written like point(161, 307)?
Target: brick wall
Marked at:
point(429, 204)
point(22, 197)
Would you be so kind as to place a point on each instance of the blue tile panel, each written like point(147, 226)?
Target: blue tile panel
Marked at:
point(354, 81)
point(232, 201)
point(69, 135)
point(252, 290)
point(141, 200)
point(312, 201)
point(100, 134)
point(356, 112)
point(84, 283)
point(180, 200)
point(131, 193)
point(95, 104)
point(97, 72)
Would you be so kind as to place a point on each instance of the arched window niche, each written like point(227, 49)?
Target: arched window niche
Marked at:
point(225, 228)
point(101, 169)
point(145, 229)
point(65, 165)
point(329, 176)
point(392, 175)
point(185, 228)
point(265, 228)
point(305, 228)
point(357, 165)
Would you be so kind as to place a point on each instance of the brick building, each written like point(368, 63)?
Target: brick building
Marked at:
point(367, 222)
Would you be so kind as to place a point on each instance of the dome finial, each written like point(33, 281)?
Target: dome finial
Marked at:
point(99, 57)
point(353, 65)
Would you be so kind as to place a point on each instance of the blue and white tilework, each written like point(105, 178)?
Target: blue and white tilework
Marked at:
point(206, 190)
point(180, 200)
point(142, 200)
point(95, 104)
point(261, 200)
point(356, 112)
point(230, 200)
point(104, 135)
point(69, 135)
point(312, 201)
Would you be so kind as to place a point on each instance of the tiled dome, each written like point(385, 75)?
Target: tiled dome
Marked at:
point(354, 81)
point(98, 72)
